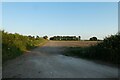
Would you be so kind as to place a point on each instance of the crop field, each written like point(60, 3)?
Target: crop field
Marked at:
point(72, 43)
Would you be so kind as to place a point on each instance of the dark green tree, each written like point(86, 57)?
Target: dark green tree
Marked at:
point(45, 37)
point(93, 39)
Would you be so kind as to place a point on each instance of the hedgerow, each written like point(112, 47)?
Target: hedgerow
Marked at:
point(14, 45)
point(108, 50)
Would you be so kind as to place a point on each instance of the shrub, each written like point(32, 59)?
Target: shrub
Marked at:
point(108, 50)
point(14, 45)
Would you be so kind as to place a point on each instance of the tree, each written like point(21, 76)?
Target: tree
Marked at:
point(37, 37)
point(45, 37)
point(93, 39)
point(79, 37)
point(51, 38)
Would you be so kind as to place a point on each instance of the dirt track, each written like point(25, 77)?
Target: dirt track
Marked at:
point(47, 62)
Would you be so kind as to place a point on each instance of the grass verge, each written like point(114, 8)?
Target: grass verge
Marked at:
point(14, 45)
point(107, 51)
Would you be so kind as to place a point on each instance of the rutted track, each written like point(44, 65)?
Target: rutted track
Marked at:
point(47, 62)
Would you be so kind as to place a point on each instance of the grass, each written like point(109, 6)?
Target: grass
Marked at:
point(108, 50)
point(14, 45)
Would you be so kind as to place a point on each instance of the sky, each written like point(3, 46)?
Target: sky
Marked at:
point(85, 19)
point(60, 0)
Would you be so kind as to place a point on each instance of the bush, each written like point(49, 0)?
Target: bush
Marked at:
point(108, 50)
point(14, 45)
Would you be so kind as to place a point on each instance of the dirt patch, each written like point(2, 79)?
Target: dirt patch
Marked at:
point(47, 62)
point(71, 43)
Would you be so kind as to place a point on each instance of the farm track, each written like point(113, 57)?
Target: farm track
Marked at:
point(47, 62)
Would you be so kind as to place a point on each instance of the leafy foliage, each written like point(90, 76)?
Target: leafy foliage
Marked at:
point(66, 38)
point(93, 39)
point(14, 45)
point(108, 50)
point(45, 37)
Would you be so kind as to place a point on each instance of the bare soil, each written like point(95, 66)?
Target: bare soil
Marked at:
point(47, 62)
point(72, 43)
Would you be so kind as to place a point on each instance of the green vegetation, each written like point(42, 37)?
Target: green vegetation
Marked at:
point(66, 38)
point(93, 39)
point(108, 50)
point(14, 45)
point(45, 37)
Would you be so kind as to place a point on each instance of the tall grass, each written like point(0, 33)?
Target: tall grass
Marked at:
point(14, 45)
point(108, 50)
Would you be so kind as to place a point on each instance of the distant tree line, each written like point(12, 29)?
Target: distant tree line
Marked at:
point(75, 38)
